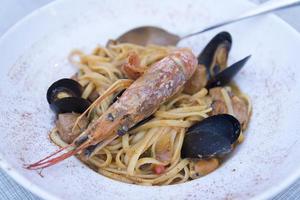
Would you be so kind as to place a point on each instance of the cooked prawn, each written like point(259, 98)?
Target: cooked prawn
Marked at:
point(140, 100)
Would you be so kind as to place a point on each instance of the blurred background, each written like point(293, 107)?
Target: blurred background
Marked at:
point(12, 11)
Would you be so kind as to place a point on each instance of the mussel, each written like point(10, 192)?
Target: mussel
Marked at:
point(225, 76)
point(215, 54)
point(64, 96)
point(211, 137)
point(214, 57)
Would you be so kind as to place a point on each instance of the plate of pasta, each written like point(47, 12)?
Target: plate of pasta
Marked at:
point(86, 116)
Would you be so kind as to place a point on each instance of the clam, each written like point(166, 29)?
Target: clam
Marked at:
point(64, 96)
point(214, 57)
point(211, 137)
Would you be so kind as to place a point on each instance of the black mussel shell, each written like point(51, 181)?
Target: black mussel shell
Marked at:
point(70, 104)
point(218, 47)
point(210, 145)
point(69, 86)
point(211, 137)
point(225, 76)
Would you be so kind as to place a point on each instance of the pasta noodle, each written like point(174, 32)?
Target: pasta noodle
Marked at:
point(133, 157)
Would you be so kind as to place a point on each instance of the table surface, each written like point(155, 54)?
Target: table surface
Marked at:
point(13, 10)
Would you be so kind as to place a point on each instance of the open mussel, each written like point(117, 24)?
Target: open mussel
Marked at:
point(214, 58)
point(64, 96)
point(70, 104)
point(215, 54)
point(211, 137)
point(225, 76)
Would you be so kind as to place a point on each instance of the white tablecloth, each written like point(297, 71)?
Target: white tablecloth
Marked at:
point(13, 10)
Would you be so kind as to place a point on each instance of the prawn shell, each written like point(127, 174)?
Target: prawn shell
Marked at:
point(144, 96)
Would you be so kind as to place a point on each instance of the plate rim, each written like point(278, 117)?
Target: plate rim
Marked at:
point(42, 193)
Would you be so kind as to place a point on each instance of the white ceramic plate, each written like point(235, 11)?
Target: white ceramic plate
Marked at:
point(34, 53)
